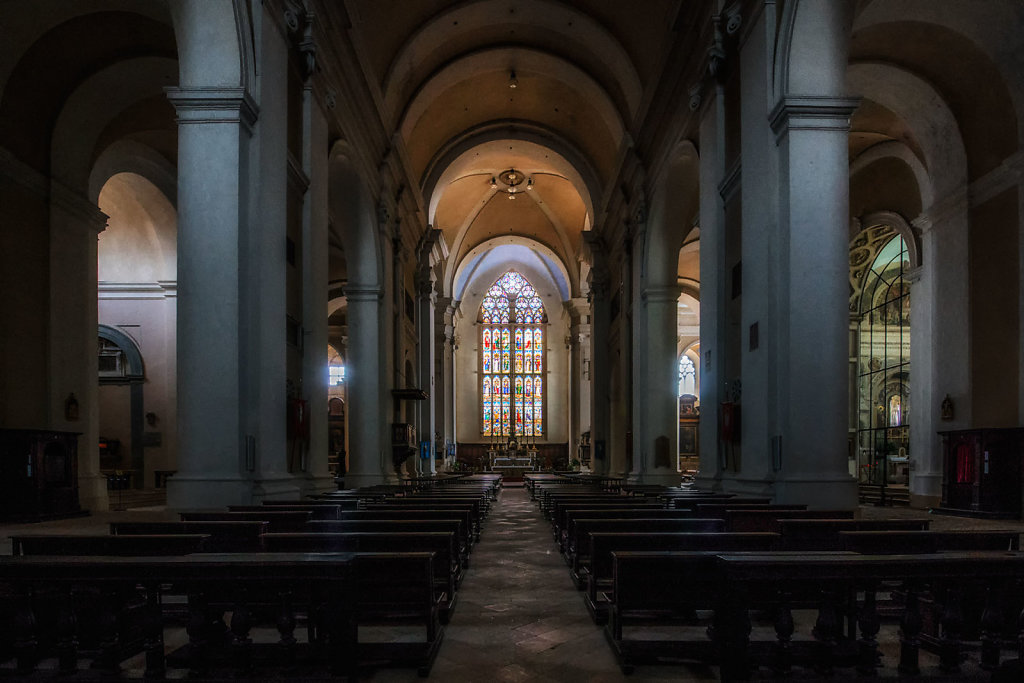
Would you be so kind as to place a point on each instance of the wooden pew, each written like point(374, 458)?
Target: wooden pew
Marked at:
point(571, 514)
point(50, 623)
point(751, 519)
point(452, 526)
point(224, 537)
point(464, 518)
point(321, 511)
point(350, 503)
point(754, 581)
point(412, 506)
point(398, 588)
point(103, 544)
point(280, 520)
point(441, 544)
point(823, 534)
point(578, 559)
point(717, 509)
point(908, 542)
point(604, 544)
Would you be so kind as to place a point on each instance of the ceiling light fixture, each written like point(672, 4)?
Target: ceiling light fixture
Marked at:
point(509, 182)
point(513, 82)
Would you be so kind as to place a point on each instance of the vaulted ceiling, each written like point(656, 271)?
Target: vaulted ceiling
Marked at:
point(555, 91)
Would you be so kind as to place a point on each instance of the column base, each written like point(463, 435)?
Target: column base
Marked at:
point(926, 485)
point(663, 477)
point(280, 487)
point(316, 484)
point(92, 493)
point(189, 492)
point(822, 492)
point(920, 502)
point(356, 480)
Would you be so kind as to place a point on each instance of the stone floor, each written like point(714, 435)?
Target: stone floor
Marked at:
point(518, 616)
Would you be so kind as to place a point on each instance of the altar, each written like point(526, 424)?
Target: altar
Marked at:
point(521, 459)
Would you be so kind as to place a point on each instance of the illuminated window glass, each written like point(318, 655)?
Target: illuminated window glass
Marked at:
point(511, 358)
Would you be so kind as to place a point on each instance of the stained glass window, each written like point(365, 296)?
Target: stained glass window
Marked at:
point(511, 358)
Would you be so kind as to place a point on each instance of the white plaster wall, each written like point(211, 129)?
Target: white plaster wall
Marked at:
point(139, 244)
point(150, 322)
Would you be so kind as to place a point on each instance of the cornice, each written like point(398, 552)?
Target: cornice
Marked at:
point(812, 112)
point(213, 105)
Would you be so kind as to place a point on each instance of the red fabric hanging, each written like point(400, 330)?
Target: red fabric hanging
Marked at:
point(964, 464)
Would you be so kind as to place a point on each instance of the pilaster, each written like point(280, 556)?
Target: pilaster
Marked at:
point(812, 137)
point(214, 457)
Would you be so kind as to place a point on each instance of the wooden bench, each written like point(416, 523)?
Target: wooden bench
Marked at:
point(49, 622)
point(411, 507)
point(103, 544)
point(224, 537)
point(578, 559)
point(464, 517)
point(441, 544)
point(823, 534)
point(571, 514)
point(907, 542)
point(604, 544)
point(754, 581)
point(717, 509)
point(279, 520)
point(452, 526)
point(323, 511)
point(343, 503)
point(747, 519)
point(398, 588)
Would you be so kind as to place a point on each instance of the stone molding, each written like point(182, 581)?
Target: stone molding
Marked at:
point(652, 295)
point(732, 181)
point(161, 289)
point(998, 180)
point(812, 112)
point(88, 216)
point(214, 105)
point(356, 293)
point(59, 195)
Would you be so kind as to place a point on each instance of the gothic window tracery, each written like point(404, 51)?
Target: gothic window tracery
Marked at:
point(511, 358)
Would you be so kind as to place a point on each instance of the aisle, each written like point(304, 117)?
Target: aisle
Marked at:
point(519, 618)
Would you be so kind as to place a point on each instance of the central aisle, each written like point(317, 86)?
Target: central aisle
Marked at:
point(518, 616)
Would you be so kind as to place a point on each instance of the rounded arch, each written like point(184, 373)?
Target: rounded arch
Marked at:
point(545, 265)
point(495, 61)
point(811, 48)
point(140, 241)
point(923, 108)
point(432, 44)
point(214, 43)
point(96, 102)
point(569, 160)
point(675, 201)
point(130, 156)
point(353, 220)
point(900, 151)
point(902, 228)
point(134, 369)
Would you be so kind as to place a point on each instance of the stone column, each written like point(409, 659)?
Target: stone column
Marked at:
point(580, 378)
point(713, 287)
point(74, 225)
point(369, 455)
point(656, 449)
point(214, 127)
point(448, 375)
point(812, 137)
point(425, 335)
point(600, 363)
point(314, 291)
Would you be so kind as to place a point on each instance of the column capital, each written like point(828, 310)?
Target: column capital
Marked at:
point(812, 112)
point(214, 105)
point(86, 214)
